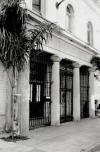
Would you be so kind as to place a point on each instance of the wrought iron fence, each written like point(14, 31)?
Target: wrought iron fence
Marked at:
point(84, 92)
point(66, 93)
point(40, 91)
point(40, 114)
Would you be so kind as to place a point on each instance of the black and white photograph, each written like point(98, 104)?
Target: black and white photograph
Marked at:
point(49, 75)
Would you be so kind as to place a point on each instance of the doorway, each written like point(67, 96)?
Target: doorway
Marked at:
point(40, 91)
point(66, 92)
point(84, 92)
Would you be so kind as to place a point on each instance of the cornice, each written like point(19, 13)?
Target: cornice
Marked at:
point(68, 38)
point(64, 35)
point(36, 17)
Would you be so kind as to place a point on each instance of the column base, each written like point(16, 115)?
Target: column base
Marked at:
point(92, 116)
point(76, 119)
point(55, 123)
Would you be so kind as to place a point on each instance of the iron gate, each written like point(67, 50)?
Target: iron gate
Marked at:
point(66, 93)
point(84, 92)
point(40, 91)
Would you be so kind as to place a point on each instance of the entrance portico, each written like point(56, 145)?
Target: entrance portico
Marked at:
point(61, 94)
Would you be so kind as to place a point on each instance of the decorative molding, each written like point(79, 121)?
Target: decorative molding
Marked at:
point(55, 58)
point(67, 56)
point(76, 65)
point(92, 69)
point(64, 35)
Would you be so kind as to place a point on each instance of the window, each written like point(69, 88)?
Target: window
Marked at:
point(37, 5)
point(69, 17)
point(90, 33)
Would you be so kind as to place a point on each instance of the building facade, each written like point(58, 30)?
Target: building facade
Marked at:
point(59, 85)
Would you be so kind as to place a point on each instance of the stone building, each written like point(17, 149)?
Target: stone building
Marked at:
point(59, 85)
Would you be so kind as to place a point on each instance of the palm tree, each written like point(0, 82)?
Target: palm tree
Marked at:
point(16, 41)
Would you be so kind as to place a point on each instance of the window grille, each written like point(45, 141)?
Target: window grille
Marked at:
point(40, 90)
point(84, 92)
point(66, 93)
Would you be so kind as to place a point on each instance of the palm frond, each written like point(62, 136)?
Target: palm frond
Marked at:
point(40, 33)
point(13, 49)
point(16, 42)
point(12, 16)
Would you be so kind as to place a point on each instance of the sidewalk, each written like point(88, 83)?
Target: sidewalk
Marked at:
point(68, 137)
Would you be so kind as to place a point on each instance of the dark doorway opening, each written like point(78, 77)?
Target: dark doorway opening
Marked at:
point(84, 92)
point(66, 92)
point(40, 90)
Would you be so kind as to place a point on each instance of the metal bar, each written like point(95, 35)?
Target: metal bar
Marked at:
point(42, 89)
point(66, 89)
point(57, 4)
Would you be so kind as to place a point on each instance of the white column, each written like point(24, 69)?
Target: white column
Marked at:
point(55, 91)
point(24, 90)
point(91, 93)
point(28, 4)
point(76, 92)
point(43, 7)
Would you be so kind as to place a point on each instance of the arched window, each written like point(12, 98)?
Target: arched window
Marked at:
point(90, 33)
point(37, 5)
point(69, 17)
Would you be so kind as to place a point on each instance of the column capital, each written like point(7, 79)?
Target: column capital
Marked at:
point(92, 69)
point(76, 65)
point(55, 58)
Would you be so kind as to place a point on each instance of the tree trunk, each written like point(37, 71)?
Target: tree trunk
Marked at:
point(15, 106)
